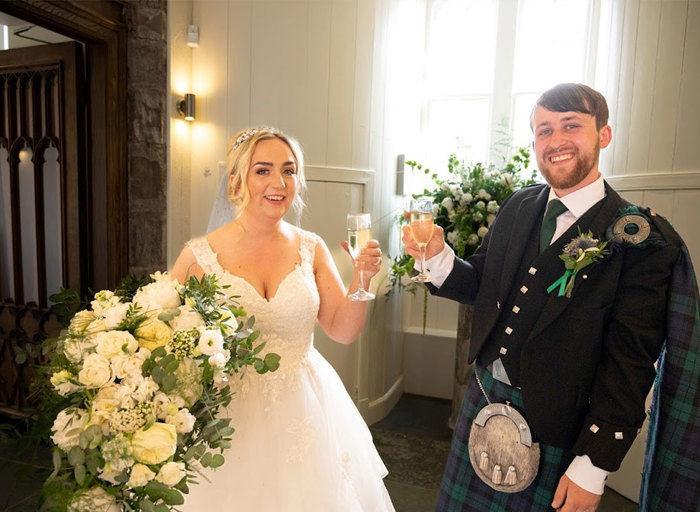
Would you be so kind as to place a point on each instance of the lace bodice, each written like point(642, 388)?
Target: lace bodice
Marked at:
point(287, 320)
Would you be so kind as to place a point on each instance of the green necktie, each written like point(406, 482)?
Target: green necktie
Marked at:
point(554, 209)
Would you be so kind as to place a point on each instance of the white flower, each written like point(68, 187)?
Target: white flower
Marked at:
point(153, 333)
point(117, 455)
point(96, 371)
point(154, 445)
point(228, 321)
point(445, 187)
point(182, 420)
point(456, 191)
point(104, 299)
point(124, 395)
point(478, 217)
point(140, 475)
point(219, 359)
point(97, 325)
point(210, 341)
point(186, 320)
point(480, 204)
point(452, 237)
point(466, 199)
point(67, 426)
point(158, 295)
point(507, 180)
point(94, 499)
point(115, 315)
point(128, 366)
point(473, 239)
point(171, 473)
point(164, 405)
point(61, 381)
point(490, 218)
point(114, 343)
point(145, 389)
point(80, 321)
point(448, 204)
point(482, 231)
point(75, 349)
point(492, 207)
point(484, 195)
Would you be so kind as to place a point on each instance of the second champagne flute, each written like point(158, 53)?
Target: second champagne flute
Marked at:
point(359, 233)
point(421, 222)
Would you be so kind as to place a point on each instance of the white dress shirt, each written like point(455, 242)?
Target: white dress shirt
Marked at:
point(581, 471)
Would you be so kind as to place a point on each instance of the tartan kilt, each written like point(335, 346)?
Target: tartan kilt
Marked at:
point(463, 491)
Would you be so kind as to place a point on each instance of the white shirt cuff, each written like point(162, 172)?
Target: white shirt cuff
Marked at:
point(439, 266)
point(583, 473)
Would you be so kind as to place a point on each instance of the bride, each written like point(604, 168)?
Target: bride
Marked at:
point(300, 444)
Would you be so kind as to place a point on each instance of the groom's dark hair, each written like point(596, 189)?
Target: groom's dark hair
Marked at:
point(574, 98)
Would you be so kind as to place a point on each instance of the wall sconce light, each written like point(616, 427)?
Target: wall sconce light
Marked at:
point(186, 107)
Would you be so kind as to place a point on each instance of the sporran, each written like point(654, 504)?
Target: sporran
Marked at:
point(500, 447)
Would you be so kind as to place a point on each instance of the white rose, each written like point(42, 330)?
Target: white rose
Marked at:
point(490, 219)
point(128, 366)
point(480, 204)
point(153, 333)
point(478, 217)
point(154, 445)
point(140, 476)
point(507, 180)
point(472, 239)
point(186, 320)
point(448, 204)
point(482, 231)
point(158, 295)
point(114, 343)
point(115, 315)
point(96, 371)
point(67, 426)
point(97, 325)
point(75, 349)
point(183, 421)
point(124, 395)
point(94, 499)
point(456, 191)
point(171, 473)
point(467, 198)
point(61, 381)
point(492, 207)
point(210, 341)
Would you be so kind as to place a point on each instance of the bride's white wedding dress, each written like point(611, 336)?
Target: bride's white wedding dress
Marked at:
point(300, 443)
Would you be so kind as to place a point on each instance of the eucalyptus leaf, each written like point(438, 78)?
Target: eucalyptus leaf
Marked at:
point(79, 474)
point(172, 366)
point(158, 352)
point(272, 361)
point(76, 456)
point(206, 459)
point(217, 460)
point(168, 382)
point(173, 497)
point(147, 505)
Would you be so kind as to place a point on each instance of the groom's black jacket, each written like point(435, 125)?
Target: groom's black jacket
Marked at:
point(586, 363)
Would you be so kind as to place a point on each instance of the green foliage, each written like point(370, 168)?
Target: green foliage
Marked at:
point(467, 201)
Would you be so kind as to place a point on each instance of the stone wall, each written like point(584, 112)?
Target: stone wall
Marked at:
point(147, 83)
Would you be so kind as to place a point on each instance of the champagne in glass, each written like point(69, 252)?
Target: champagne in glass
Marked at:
point(421, 222)
point(359, 233)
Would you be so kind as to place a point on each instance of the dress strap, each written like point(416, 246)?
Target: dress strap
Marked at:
point(307, 247)
point(205, 256)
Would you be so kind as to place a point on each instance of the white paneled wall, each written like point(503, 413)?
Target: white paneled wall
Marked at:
point(306, 67)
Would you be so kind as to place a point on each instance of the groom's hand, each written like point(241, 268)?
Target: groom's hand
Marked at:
point(569, 497)
point(434, 247)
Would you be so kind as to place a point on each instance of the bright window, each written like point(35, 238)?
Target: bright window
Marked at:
point(486, 61)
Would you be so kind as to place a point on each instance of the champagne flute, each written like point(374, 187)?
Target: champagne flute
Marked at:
point(359, 233)
point(421, 222)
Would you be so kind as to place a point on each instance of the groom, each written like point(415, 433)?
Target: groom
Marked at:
point(577, 368)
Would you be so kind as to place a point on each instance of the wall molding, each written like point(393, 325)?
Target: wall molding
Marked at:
point(338, 174)
point(688, 180)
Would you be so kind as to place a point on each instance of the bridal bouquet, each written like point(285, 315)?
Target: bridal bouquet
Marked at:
point(143, 373)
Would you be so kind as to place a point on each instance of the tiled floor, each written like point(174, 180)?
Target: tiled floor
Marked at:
point(414, 442)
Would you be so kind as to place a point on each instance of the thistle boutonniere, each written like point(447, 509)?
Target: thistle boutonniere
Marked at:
point(577, 254)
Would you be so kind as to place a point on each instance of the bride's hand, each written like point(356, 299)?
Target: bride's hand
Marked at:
point(369, 259)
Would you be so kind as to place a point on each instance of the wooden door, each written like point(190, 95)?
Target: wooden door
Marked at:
point(43, 199)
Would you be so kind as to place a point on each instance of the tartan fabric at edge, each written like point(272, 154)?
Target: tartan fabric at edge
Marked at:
point(463, 491)
point(671, 476)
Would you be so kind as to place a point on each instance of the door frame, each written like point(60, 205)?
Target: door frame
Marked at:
point(100, 26)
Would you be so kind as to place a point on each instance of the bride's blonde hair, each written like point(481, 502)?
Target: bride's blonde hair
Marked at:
point(239, 154)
